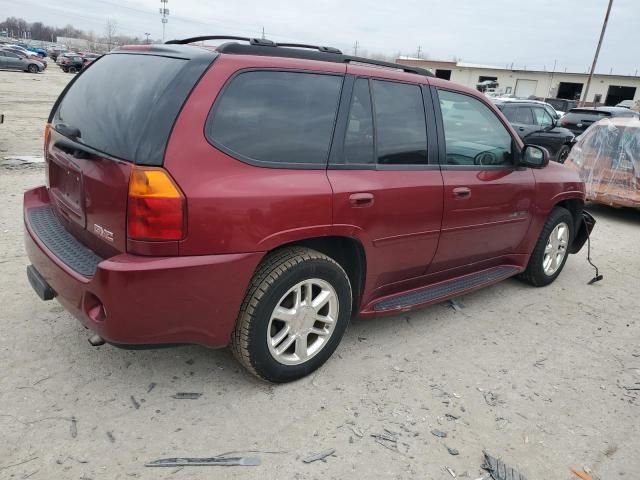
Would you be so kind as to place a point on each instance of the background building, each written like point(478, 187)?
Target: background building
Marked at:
point(604, 89)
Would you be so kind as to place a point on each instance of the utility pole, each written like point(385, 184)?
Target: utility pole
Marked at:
point(263, 37)
point(551, 79)
point(595, 58)
point(355, 48)
point(164, 13)
point(147, 39)
point(419, 51)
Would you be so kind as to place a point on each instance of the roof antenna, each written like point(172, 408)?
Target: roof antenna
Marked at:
point(598, 276)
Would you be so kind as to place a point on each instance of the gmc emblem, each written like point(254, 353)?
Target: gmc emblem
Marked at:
point(103, 232)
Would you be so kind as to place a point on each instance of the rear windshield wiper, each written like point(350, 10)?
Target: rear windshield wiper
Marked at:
point(68, 130)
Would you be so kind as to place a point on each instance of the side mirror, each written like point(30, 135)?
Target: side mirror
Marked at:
point(534, 156)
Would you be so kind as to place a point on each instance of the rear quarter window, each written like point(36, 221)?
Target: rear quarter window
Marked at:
point(276, 118)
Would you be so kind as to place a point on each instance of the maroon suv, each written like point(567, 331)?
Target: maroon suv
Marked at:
point(260, 195)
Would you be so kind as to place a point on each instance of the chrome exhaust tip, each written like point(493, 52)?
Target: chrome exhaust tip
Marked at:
point(96, 340)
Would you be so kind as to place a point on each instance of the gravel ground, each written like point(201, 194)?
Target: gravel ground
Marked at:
point(536, 376)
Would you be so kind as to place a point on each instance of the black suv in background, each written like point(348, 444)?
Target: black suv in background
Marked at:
point(535, 123)
point(579, 119)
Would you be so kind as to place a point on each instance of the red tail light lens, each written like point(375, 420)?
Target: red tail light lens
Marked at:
point(156, 206)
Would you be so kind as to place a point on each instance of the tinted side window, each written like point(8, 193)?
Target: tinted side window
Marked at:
point(542, 117)
point(473, 133)
point(401, 130)
point(358, 140)
point(517, 114)
point(276, 117)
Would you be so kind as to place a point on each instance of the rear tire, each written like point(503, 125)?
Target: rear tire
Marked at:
point(33, 68)
point(72, 70)
point(286, 327)
point(552, 249)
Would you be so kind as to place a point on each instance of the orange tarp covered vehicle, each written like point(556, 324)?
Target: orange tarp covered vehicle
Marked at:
point(607, 157)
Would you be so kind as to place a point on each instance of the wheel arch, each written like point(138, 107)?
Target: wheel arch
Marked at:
point(348, 252)
point(574, 206)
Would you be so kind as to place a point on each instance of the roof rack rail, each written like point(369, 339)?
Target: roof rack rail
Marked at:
point(396, 66)
point(252, 41)
point(263, 46)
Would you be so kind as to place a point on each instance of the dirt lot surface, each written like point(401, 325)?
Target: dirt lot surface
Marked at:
point(546, 378)
point(26, 100)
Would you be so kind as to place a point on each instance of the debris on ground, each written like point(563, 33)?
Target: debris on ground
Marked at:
point(491, 398)
point(388, 439)
point(451, 472)
point(319, 456)
point(205, 462)
point(451, 417)
point(73, 428)
point(455, 304)
point(439, 433)
point(111, 438)
point(500, 470)
point(356, 431)
point(135, 403)
point(151, 386)
point(186, 396)
point(20, 161)
point(452, 451)
point(581, 474)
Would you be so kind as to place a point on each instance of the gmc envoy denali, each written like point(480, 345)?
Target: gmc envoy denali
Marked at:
point(259, 195)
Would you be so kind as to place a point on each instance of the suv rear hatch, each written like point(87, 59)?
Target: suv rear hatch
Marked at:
point(114, 116)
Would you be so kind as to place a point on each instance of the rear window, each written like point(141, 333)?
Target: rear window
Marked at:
point(111, 103)
point(276, 118)
point(576, 116)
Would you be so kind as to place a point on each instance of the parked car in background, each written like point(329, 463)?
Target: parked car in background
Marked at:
point(552, 111)
point(561, 105)
point(70, 62)
point(326, 186)
point(535, 124)
point(14, 61)
point(88, 58)
point(25, 53)
point(41, 52)
point(579, 119)
point(628, 104)
point(54, 53)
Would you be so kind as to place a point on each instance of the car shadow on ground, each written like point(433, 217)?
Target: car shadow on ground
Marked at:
point(624, 214)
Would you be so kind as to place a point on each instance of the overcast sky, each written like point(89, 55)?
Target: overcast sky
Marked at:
point(531, 33)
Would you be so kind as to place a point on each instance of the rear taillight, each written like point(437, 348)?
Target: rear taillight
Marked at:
point(156, 206)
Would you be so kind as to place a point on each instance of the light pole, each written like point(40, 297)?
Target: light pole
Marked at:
point(164, 12)
point(147, 39)
point(595, 58)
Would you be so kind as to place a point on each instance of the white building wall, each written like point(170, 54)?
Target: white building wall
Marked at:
point(547, 83)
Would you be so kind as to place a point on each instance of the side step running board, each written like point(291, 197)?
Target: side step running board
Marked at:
point(443, 290)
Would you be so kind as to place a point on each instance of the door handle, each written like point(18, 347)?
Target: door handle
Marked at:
point(462, 192)
point(521, 129)
point(361, 200)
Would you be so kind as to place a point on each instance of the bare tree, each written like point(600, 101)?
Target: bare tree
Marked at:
point(110, 29)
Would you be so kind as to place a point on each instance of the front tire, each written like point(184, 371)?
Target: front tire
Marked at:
point(294, 314)
point(563, 153)
point(552, 249)
point(33, 68)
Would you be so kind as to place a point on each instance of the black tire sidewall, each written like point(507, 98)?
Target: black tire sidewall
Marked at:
point(564, 148)
point(262, 360)
point(33, 68)
point(557, 216)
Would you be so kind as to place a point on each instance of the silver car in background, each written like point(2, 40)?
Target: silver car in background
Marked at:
point(15, 61)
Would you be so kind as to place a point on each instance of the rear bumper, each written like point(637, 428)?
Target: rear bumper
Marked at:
point(137, 300)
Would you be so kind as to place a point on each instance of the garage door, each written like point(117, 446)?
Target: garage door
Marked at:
point(526, 88)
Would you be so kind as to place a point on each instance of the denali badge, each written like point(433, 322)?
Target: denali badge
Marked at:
point(103, 232)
